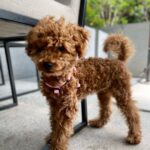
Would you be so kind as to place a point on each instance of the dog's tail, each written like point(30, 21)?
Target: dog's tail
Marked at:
point(120, 46)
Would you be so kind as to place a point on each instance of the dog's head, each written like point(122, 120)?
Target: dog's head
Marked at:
point(54, 45)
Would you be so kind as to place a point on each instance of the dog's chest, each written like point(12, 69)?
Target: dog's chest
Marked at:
point(68, 89)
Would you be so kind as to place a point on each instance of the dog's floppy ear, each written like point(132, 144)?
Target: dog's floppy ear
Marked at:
point(81, 37)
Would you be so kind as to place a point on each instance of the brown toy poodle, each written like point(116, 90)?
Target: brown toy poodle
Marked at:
point(57, 48)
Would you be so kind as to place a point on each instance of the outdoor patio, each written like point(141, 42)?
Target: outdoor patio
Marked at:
point(24, 115)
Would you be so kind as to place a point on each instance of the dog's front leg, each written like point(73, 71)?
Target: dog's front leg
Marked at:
point(62, 117)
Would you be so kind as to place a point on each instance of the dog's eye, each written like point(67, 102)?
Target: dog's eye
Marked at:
point(117, 42)
point(112, 43)
point(39, 50)
point(61, 48)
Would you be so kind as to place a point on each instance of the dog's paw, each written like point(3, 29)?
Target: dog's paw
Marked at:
point(96, 123)
point(133, 139)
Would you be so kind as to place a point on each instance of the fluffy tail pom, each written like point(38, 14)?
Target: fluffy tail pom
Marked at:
point(119, 45)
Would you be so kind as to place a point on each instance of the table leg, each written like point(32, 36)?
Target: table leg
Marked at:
point(10, 72)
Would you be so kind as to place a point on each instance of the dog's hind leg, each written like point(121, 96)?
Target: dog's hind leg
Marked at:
point(105, 110)
point(130, 111)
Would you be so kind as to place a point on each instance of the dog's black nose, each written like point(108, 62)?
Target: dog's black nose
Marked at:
point(47, 65)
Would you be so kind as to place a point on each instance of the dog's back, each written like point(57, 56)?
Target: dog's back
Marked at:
point(97, 74)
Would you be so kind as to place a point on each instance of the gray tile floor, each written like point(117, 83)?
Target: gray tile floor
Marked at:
point(25, 126)
point(22, 85)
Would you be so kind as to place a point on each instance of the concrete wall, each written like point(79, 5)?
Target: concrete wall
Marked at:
point(22, 65)
point(101, 38)
point(139, 34)
point(91, 44)
point(95, 44)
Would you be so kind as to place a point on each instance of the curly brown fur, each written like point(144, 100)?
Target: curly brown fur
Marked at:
point(56, 48)
point(120, 46)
